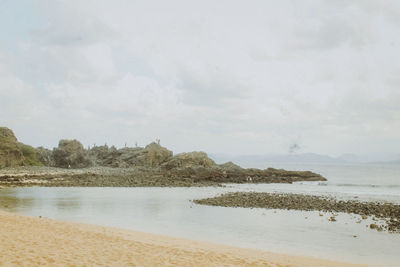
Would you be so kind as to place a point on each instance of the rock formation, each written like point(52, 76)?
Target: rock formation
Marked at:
point(31, 156)
point(189, 160)
point(152, 163)
point(10, 153)
point(230, 166)
point(70, 154)
point(45, 156)
point(153, 155)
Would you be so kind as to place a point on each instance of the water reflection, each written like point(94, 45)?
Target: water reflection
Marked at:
point(68, 204)
point(169, 211)
point(11, 201)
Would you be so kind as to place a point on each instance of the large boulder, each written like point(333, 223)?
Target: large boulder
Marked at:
point(190, 160)
point(10, 153)
point(113, 157)
point(70, 154)
point(103, 156)
point(153, 155)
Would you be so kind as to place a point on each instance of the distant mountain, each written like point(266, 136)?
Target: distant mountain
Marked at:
point(262, 160)
point(256, 160)
point(370, 158)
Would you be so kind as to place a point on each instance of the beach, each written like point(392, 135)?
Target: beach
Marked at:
point(34, 241)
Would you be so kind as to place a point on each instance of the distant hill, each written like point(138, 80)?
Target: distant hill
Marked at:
point(262, 160)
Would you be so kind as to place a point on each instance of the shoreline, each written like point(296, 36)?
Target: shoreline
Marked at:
point(386, 216)
point(38, 241)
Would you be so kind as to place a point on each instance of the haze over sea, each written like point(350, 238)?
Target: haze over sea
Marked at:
point(169, 211)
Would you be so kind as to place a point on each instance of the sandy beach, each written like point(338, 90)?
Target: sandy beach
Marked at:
point(41, 241)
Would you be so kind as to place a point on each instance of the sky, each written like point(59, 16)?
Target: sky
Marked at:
point(227, 76)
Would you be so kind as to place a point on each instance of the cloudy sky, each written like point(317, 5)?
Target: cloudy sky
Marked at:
point(235, 77)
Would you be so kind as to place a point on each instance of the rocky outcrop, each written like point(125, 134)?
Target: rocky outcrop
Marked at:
point(153, 155)
point(152, 162)
point(389, 212)
point(218, 174)
point(189, 160)
point(10, 153)
point(105, 156)
point(229, 166)
point(31, 155)
point(45, 156)
point(70, 154)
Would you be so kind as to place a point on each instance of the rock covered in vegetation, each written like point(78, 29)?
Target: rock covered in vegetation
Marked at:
point(189, 160)
point(10, 153)
point(230, 166)
point(31, 155)
point(154, 159)
point(153, 155)
point(111, 156)
point(70, 154)
point(45, 156)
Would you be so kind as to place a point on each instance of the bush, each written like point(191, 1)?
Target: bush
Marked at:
point(30, 154)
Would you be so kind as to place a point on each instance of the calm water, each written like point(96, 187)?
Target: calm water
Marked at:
point(169, 211)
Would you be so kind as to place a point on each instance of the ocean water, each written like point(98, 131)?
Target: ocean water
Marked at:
point(169, 211)
point(380, 182)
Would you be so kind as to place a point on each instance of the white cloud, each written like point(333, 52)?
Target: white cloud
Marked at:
point(226, 76)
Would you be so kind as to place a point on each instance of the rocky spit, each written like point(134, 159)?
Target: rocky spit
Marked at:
point(70, 164)
point(388, 213)
point(147, 176)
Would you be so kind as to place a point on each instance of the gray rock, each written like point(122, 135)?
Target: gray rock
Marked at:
point(190, 160)
point(70, 154)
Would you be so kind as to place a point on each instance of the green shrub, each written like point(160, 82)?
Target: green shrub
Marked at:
point(30, 155)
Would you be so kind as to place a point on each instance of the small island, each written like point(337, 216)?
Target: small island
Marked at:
point(70, 164)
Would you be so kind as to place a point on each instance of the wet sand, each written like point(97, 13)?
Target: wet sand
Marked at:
point(40, 241)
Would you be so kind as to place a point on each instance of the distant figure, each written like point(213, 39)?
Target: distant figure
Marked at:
point(249, 179)
point(158, 141)
point(69, 166)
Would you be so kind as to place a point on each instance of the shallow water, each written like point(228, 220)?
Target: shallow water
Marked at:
point(169, 211)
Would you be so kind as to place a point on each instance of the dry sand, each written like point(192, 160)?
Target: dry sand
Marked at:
point(28, 241)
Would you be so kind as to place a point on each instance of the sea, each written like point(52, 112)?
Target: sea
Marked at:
point(170, 211)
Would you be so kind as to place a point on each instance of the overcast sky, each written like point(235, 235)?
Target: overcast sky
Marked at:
point(235, 77)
